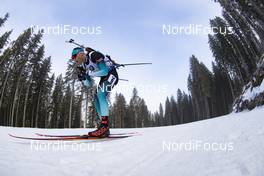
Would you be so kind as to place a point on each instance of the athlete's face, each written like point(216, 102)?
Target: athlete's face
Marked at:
point(80, 58)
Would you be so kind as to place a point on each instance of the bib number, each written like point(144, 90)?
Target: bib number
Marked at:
point(112, 79)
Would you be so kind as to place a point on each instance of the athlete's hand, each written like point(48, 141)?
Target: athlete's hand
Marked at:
point(81, 76)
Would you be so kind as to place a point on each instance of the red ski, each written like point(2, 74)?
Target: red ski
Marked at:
point(115, 134)
point(84, 137)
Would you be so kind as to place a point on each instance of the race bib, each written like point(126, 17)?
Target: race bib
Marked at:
point(112, 79)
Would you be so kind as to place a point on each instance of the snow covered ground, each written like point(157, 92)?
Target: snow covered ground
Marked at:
point(229, 145)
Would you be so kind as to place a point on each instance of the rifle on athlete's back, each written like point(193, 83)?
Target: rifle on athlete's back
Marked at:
point(115, 63)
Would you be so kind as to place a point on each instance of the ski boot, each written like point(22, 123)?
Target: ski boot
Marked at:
point(102, 130)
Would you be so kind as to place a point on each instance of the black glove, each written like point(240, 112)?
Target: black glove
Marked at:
point(81, 77)
point(81, 69)
point(81, 74)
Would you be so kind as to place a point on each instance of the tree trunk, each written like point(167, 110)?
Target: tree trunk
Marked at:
point(4, 86)
point(25, 102)
point(71, 102)
point(37, 111)
point(81, 99)
point(14, 102)
point(86, 109)
point(17, 110)
point(32, 115)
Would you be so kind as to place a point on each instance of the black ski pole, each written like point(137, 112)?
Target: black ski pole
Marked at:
point(73, 42)
point(123, 79)
point(123, 65)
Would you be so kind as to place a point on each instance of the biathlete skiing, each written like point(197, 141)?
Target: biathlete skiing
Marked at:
point(92, 63)
point(95, 64)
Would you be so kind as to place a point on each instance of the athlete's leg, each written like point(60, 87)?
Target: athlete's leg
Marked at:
point(97, 106)
point(103, 109)
point(102, 99)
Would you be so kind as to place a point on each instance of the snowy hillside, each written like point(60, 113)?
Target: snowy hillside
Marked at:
point(253, 92)
point(229, 145)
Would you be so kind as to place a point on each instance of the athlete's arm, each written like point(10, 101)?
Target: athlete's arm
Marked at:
point(88, 82)
point(97, 57)
point(85, 78)
point(103, 70)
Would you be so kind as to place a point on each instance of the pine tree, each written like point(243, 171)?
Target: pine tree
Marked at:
point(57, 99)
point(133, 109)
point(4, 37)
point(119, 112)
